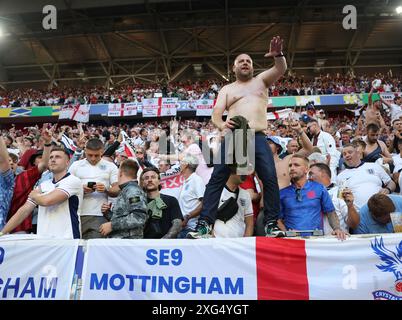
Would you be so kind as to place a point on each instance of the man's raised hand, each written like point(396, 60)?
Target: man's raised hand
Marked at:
point(275, 47)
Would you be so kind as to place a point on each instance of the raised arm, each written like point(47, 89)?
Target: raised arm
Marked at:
point(47, 135)
point(20, 145)
point(307, 146)
point(4, 163)
point(370, 98)
point(80, 149)
point(61, 132)
point(275, 51)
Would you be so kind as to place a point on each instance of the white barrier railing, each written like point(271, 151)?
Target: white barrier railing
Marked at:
point(362, 267)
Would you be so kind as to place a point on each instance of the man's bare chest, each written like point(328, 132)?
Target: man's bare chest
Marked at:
point(239, 94)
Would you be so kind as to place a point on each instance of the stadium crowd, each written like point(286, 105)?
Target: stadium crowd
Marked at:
point(291, 85)
point(95, 181)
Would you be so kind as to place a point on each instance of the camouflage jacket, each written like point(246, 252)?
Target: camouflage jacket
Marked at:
point(129, 213)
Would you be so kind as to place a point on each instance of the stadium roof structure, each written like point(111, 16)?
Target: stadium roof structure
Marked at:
point(114, 42)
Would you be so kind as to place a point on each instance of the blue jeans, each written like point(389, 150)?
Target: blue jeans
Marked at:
point(265, 168)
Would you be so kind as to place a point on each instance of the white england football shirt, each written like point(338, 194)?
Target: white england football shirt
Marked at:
point(364, 181)
point(191, 191)
point(61, 220)
point(103, 172)
point(397, 162)
point(235, 227)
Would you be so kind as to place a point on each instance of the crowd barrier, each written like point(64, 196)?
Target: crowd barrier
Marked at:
point(362, 267)
point(203, 107)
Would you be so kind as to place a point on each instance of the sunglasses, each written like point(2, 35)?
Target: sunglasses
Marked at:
point(139, 152)
point(299, 195)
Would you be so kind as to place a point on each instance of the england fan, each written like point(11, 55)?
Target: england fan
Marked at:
point(58, 199)
point(98, 181)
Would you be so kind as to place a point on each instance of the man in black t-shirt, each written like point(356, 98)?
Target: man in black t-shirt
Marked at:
point(165, 217)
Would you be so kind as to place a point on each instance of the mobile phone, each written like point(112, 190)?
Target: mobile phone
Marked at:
point(91, 185)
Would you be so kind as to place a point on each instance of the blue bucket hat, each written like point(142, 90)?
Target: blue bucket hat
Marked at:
point(276, 141)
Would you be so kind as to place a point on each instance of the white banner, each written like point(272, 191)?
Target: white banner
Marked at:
point(365, 267)
point(355, 269)
point(389, 96)
point(303, 100)
point(170, 270)
point(169, 107)
point(247, 268)
point(115, 110)
point(151, 107)
point(36, 269)
point(184, 105)
point(130, 109)
point(66, 112)
point(280, 114)
point(205, 107)
point(81, 113)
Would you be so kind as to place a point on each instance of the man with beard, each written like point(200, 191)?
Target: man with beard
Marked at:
point(375, 149)
point(373, 112)
point(246, 97)
point(165, 218)
point(282, 165)
point(304, 202)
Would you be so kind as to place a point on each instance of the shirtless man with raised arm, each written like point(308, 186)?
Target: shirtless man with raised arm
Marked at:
point(373, 112)
point(282, 165)
point(247, 97)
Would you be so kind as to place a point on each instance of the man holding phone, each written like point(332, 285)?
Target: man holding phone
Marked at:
point(91, 185)
point(99, 180)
